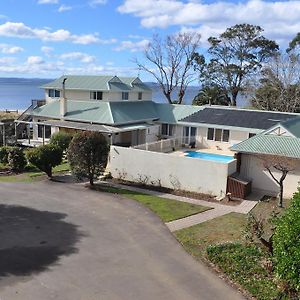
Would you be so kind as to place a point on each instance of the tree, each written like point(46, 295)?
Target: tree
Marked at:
point(61, 139)
point(286, 245)
point(87, 155)
point(279, 88)
point(170, 62)
point(281, 164)
point(235, 56)
point(212, 95)
point(45, 158)
point(16, 159)
point(295, 43)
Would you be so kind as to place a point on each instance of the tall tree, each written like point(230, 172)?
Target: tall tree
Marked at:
point(235, 56)
point(170, 62)
point(279, 84)
point(212, 95)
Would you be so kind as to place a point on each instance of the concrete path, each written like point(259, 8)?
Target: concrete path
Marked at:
point(66, 242)
point(217, 210)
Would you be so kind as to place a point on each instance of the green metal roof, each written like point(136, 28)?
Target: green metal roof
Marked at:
point(293, 126)
point(172, 113)
point(99, 83)
point(270, 144)
point(112, 113)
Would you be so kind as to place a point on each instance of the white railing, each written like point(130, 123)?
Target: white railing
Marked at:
point(165, 146)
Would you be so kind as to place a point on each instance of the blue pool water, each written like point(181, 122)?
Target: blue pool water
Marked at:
point(209, 156)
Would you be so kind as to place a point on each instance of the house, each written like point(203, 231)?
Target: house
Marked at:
point(122, 109)
point(281, 141)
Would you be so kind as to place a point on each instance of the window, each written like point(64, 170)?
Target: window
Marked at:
point(218, 135)
point(225, 137)
point(251, 134)
point(53, 93)
point(125, 96)
point(96, 95)
point(210, 134)
point(167, 129)
point(47, 131)
point(140, 96)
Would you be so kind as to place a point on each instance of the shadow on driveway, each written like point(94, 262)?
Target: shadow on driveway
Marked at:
point(32, 240)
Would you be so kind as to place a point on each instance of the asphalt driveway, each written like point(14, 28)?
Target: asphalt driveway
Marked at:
point(63, 241)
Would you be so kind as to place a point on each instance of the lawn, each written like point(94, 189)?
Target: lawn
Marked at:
point(221, 241)
point(33, 174)
point(223, 229)
point(168, 210)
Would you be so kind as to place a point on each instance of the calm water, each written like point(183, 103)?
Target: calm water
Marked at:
point(17, 93)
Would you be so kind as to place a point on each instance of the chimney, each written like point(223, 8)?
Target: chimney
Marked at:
point(63, 100)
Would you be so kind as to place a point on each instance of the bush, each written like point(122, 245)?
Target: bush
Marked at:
point(4, 154)
point(16, 159)
point(61, 139)
point(286, 245)
point(87, 155)
point(45, 158)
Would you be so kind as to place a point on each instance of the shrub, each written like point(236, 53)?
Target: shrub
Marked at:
point(4, 154)
point(286, 245)
point(16, 159)
point(45, 158)
point(87, 155)
point(61, 139)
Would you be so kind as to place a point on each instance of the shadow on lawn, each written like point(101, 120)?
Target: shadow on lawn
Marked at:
point(32, 240)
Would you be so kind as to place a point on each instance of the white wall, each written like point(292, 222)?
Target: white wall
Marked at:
point(252, 169)
point(192, 174)
point(107, 96)
point(152, 133)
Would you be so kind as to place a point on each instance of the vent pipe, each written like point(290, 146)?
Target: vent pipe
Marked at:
point(63, 100)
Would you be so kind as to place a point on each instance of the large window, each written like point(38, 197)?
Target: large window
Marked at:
point(218, 135)
point(96, 95)
point(140, 96)
point(47, 131)
point(125, 96)
point(53, 93)
point(189, 135)
point(167, 129)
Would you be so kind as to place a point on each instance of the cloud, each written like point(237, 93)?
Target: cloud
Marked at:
point(280, 19)
point(47, 1)
point(64, 7)
point(133, 46)
point(20, 30)
point(9, 49)
point(35, 60)
point(95, 3)
point(7, 60)
point(47, 50)
point(82, 57)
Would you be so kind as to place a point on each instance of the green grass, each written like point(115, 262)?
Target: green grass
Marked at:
point(168, 210)
point(246, 265)
point(223, 229)
point(33, 174)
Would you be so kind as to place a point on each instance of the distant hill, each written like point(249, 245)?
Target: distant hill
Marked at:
point(158, 96)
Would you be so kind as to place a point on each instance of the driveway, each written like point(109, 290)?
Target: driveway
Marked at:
point(63, 241)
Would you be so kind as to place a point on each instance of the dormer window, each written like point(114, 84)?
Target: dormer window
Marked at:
point(140, 96)
point(52, 93)
point(96, 95)
point(125, 96)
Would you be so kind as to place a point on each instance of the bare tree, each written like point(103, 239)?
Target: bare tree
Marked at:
point(279, 88)
point(281, 164)
point(170, 62)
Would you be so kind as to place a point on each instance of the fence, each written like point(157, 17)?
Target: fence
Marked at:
point(163, 146)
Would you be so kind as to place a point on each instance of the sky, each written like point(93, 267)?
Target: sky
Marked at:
point(50, 38)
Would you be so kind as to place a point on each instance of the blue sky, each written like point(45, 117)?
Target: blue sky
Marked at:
point(48, 38)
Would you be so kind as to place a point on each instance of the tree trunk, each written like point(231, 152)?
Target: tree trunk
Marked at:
point(91, 180)
point(233, 98)
point(280, 200)
point(180, 96)
point(49, 173)
point(168, 96)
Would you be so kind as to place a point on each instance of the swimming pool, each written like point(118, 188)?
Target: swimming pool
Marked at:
point(209, 156)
